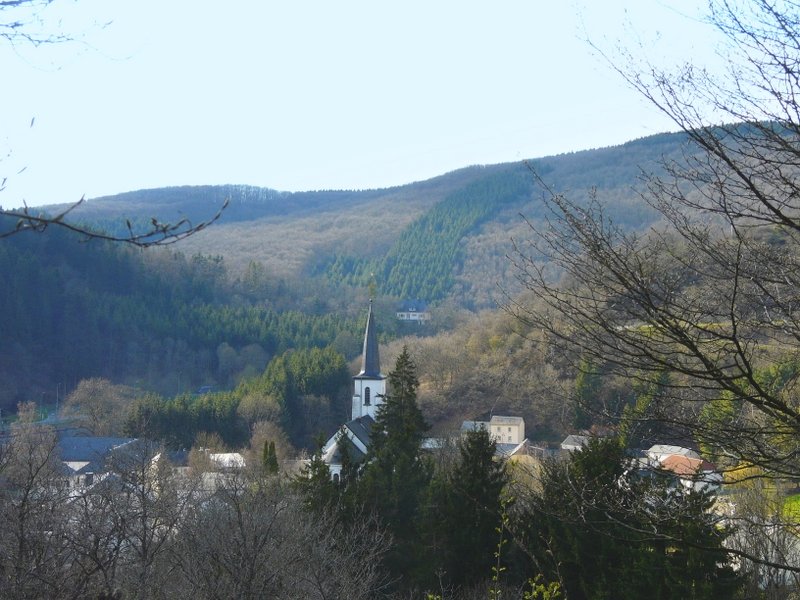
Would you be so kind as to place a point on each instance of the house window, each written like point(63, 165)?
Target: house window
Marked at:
point(366, 396)
point(509, 438)
point(509, 430)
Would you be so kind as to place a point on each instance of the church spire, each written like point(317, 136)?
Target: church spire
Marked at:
point(370, 360)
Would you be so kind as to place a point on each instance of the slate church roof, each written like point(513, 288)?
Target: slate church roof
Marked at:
point(356, 435)
point(370, 360)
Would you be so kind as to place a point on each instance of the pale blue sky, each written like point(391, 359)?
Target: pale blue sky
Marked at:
point(311, 95)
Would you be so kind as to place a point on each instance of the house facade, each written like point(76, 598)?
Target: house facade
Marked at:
point(414, 311)
point(503, 430)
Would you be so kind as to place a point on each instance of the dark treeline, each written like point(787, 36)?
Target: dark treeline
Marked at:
point(155, 320)
point(302, 393)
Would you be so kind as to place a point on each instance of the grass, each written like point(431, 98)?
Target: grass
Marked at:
point(791, 508)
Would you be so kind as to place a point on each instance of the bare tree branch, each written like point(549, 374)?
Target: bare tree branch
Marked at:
point(157, 234)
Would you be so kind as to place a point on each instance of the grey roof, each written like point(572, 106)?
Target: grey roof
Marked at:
point(502, 449)
point(361, 428)
point(334, 454)
point(501, 420)
point(575, 441)
point(90, 449)
point(370, 360)
point(669, 449)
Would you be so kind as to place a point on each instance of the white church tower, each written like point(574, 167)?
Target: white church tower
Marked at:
point(369, 385)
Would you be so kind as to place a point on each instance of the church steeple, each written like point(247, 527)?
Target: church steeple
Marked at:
point(369, 385)
point(370, 360)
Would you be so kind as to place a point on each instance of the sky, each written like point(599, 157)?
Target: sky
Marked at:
point(310, 95)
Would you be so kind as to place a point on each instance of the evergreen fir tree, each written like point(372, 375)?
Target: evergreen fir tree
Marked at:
point(270, 458)
point(466, 510)
point(396, 475)
point(315, 485)
point(607, 531)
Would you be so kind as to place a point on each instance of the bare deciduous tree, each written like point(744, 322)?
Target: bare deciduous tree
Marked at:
point(33, 556)
point(158, 233)
point(252, 539)
point(99, 404)
point(706, 305)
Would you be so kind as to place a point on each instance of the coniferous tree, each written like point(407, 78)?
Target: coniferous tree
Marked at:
point(270, 458)
point(396, 474)
point(315, 485)
point(467, 510)
point(607, 531)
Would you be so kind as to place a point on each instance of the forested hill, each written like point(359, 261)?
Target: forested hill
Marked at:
point(447, 237)
point(157, 320)
point(279, 271)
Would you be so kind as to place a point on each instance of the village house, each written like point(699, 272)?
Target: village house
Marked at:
point(508, 433)
point(414, 311)
point(503, 430)
point(86, 458)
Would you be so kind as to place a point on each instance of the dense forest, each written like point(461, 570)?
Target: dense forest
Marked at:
point(156, 320)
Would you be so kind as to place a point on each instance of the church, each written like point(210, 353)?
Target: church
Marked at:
point(369, 391)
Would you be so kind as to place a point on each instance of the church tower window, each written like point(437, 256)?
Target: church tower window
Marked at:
point(366, 396)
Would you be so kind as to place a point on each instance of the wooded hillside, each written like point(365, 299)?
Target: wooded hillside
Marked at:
point(282, 271)
point(443, 238)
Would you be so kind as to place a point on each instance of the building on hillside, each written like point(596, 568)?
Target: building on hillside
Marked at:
point(86, 458)
point(692, 473)
point(508, 433)
point(507, 430)
point(574, 442)
point(369, 391)
point(503, 430)
point(414, 311)
point(657, 453)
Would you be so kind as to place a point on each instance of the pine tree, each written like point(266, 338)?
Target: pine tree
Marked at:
point(315, 485)
point(396, 475)
point(269, 458)
point(612, 532)
point(466, 510)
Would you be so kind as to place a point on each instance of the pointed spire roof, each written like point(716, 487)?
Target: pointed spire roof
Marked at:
point(370, 360)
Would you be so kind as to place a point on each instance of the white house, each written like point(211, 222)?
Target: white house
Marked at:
point(507, 430)
point(508, 433)
point(503, 430)
point(413, 310)
point(656, 454)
